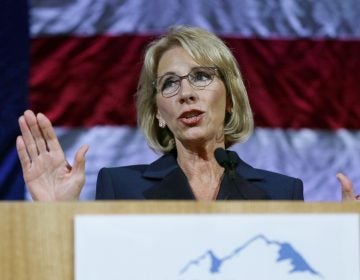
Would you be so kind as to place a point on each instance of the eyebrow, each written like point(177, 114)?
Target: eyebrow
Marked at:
point(168, 73)
point(173, 73)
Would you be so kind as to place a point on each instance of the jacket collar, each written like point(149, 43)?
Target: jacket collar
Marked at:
point(171, 182)
point(161, 167)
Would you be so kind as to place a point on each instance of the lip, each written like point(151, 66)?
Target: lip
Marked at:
point(191, 117)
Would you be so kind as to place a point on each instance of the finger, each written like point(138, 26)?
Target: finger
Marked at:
point(346, 187)
point(27, 137)
point(33, 125)
point(23, 154)
point(48, 132)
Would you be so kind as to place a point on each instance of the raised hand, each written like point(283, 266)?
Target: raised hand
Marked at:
point(47, 174)
point(347, 189)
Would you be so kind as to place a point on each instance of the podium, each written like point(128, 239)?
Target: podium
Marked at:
point(37, 239)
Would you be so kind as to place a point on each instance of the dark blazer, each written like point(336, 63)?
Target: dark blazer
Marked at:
point(164, 179)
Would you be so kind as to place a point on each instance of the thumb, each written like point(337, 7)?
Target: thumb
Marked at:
point(79, 161)
point(346, 187)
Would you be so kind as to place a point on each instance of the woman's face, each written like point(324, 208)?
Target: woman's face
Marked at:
point(194, 115)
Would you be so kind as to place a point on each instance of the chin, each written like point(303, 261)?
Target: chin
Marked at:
point(196, 138)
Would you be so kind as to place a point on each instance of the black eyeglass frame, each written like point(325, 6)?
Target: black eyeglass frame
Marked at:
point(180, 78)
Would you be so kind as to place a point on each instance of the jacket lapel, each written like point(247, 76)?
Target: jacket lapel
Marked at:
point(247, 176)
point(170, 182)
point(173, 186)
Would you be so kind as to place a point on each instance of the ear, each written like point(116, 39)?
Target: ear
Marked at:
point(158, 116)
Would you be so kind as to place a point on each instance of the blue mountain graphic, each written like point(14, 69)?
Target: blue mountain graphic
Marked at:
point(285, 252)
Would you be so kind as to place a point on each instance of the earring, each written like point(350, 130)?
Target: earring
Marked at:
point(162, 123)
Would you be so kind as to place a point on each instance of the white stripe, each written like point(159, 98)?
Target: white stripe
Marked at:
point(109, 146)
point(315, 156)
point(246, 18)
point(311, 155)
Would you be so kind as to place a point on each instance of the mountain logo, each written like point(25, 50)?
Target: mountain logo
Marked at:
point(247, 258)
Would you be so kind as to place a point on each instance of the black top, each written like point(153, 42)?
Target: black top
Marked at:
point(164, 179)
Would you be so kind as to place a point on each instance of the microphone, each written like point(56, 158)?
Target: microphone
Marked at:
point(222, 157)
point(240, 186)
point(227, 159)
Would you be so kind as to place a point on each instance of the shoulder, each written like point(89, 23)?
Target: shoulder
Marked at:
point(276, 185)
point(120, 182)
point(130, 182)
point(123, 170)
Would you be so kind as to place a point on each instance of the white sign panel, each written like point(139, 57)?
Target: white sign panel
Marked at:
point(218, 246)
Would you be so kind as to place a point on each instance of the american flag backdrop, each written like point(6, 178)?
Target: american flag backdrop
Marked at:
point(300, 60)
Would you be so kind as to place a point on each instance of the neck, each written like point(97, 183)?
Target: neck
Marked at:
point(199, 161)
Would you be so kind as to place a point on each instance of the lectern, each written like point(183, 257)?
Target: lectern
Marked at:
point(37, 239)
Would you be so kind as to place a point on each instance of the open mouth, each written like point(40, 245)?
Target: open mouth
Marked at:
point(192, 117)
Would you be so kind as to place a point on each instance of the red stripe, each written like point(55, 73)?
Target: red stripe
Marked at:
point(291, 83)
point(302, 83)
point(86, 81)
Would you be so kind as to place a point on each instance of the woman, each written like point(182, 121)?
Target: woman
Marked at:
point(191, 101)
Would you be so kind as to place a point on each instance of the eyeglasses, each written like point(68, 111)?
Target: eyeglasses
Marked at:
point(199, 77)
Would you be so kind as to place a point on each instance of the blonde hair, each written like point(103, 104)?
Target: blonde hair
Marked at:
point(207, 50)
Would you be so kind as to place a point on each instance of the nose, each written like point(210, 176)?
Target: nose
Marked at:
point(186, 93)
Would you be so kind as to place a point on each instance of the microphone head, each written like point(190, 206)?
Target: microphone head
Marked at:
point(221, 157)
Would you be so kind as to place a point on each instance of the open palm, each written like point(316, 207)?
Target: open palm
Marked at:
point(47, 174)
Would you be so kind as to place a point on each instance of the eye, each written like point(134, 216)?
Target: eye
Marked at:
point(200, 75)
point(169, 82)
